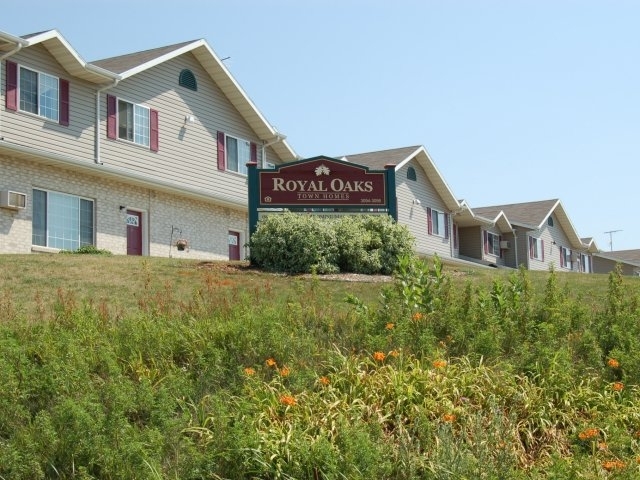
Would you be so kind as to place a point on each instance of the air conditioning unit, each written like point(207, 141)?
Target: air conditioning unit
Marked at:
point(505, 245)
point(13, 200)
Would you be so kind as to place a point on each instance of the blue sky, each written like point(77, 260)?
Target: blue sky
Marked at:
point(515, 101)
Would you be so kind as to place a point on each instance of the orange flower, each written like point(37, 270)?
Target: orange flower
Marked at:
point(617, 386)
point(613, 465)
point(379, 356)
point(249, 371)
point(439, 363)
point(389, 326)
point(288, 400)
point(324, 381)
point(270, 362)
point(285, 371)
point(449, 417)
point(613, 363)
point(417, 316)
point(602, 446)
point(394, 353)
point(588, 433)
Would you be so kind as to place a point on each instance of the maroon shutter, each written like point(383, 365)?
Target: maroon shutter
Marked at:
point(254, 152)
point(485, 241)
point(429, 223)
point(500, 244)
point(112, 125)
point(561, 256)
point(455, 236)
point(154, 131)
point(221, 160)
point(542, 248)
point(64, 103)
point(11, 87)
point(446, 225)
point(530, 247)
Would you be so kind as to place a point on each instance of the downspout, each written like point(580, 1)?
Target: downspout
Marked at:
point(277, 139)
point(7, 55)
point(97, 134)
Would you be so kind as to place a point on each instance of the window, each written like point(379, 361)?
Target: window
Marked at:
point(437, 223)
point(550, 221)
point(131, 122)
point(36, 92)
point(493, 244)
point(62, 221)
point(536, 248)
point(411, 174)
point(565, 258)
point(238, 153)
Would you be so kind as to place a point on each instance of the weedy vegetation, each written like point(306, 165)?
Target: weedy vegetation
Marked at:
point(125, 368)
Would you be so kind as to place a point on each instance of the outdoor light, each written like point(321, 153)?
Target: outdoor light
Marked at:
point(189, 119)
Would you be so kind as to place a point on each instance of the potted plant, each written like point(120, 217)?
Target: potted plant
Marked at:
point(181, 244)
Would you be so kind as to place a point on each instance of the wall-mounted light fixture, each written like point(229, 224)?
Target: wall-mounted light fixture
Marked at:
point(416, 201)
point(122, 207)
point(189, 119)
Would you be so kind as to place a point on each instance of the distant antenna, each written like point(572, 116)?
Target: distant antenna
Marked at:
point(611, 232)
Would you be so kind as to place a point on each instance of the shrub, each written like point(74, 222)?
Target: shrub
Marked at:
point(87, 250)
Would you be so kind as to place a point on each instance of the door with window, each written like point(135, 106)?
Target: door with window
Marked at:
point(234, 245)
point(134, 233)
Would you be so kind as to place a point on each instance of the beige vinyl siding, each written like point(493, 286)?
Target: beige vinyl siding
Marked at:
point(415, 216)
point(522, 247)
point(509, 255)
point(607, 265)
point(554, 238)
point(187, 154)
point(23, 128)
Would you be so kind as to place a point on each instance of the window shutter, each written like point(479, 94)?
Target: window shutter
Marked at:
point(11, 87)
point(253, 148)
point(64, 103)
point(429, 223)
point(154, 131)
point(542, 248)
point(455, 236)
point(446, 225)
point(530, 247)
point(500, 244)
point(112, 125)
point(485, 241)
point(561, 256)
point(221, 160)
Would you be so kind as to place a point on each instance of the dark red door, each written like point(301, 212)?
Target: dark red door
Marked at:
point(234, 246)
point(134, 233)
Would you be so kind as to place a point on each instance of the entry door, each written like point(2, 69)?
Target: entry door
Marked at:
point(234, 246)
point(134, 233)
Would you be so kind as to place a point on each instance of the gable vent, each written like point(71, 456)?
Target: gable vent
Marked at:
point(188, 80)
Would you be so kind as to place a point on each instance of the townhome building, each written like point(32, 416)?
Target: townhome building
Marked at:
point(140, 154)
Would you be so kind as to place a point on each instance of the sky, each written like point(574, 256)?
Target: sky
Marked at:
point(514, 100)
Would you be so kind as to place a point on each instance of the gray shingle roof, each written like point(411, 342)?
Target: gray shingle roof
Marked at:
point(377, 160)
point(123, 63)
point(527, 213)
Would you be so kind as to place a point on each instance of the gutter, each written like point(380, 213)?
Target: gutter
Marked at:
point(277, 139)
point(125, 176)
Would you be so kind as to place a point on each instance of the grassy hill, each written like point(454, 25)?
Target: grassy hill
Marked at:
point(123, 367)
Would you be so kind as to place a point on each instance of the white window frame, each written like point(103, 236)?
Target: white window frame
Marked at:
point(567, 258)
point(536, 246)
point(63, 228)
point(438, 224)
point(46, 106)
point(241, 166)
point(138, 133)
point(493, 242)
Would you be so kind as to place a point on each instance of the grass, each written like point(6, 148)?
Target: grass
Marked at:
point(124, 367)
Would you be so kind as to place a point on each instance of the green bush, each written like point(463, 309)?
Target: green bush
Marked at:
point(87, 250)
point(296, 243)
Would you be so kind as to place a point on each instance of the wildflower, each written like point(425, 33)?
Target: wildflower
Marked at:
point(613, 464)
point(270, 362)
point(613, 363)
point(417, 316)
point(449, 417)
point(324, 381)
point(588, 433)
point(394, 353)
point(285, 371)
point(617, 386)
point(602, 446)
point(439, 363)
point(249, 371)
point(288, 400)
point(379, 356)
point(389, 326)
